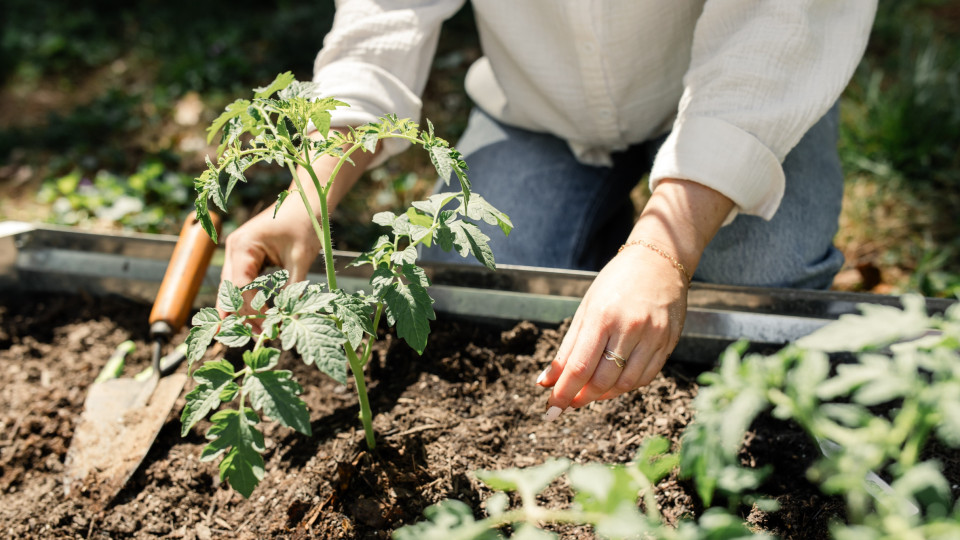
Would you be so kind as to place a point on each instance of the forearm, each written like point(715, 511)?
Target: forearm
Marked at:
point(681, 218)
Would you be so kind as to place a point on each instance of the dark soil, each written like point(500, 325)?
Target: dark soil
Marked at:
point(468, 403)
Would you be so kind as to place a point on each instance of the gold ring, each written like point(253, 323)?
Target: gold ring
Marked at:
point(617, 359)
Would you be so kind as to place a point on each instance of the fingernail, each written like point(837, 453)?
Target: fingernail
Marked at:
point(543, 375)
point(552, 414)
point(568, 409)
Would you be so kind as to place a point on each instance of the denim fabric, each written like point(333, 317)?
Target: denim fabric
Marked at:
point(570, 215)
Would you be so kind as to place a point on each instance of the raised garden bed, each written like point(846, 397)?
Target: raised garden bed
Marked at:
point(469, 402)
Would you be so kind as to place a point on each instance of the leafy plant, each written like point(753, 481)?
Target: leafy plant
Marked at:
point(143, 201)
point(872, 417)
point(606, 497)
point(325, 325)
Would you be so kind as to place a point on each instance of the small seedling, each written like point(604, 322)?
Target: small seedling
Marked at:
point(326, 326)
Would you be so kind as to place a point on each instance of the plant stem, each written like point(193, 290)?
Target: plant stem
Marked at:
point(317, 226)
point(366, 417)
point(376, 322)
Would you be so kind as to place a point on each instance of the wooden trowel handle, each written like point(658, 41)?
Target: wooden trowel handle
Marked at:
point(185, 273)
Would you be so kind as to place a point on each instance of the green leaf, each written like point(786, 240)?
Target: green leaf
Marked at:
point(528, 481)
point(289, 297)
point(282, 81)
point(447, 519)
point(879, 326)
point(625, 521)
point(318, 341)
point(415, 274)
point(280, 198)
point(384, 218)
point(443, 161)
point(262, 358)
point(368, 141)
point(468, 238)
point(205, 325)
point(434, 203)
point(382, 278)
point(653, 461)
point(229, 297)
point(355, 314)
point(410, 308)
point(212, 379)
point(481, 209)
point(276, 394)
point(407, 255)
point(601, 488)
point(233, 110)
point(259, 300)
point(527, 531)
point(271, 284)
point(235, 436)
point(233, 332)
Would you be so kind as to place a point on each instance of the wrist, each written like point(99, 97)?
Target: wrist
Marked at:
point(681, 218)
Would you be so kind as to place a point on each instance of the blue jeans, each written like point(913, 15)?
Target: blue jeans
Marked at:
point(570, 215)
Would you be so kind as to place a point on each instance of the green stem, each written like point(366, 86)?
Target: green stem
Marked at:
point(366, 417)
point(317, 226)
point(376, 323)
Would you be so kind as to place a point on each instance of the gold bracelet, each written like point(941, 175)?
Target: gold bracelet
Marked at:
point(662, 253)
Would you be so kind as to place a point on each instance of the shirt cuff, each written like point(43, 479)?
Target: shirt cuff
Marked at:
point(725, 158)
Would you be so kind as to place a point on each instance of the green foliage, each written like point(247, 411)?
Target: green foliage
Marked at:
point(605, 496)
point(150, 200)
point(872, 416)
point(324, 325)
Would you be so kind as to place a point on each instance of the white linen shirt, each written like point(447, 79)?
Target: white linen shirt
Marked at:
point(736, 82)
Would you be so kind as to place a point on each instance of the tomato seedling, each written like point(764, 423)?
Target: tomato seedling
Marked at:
point(325, 325)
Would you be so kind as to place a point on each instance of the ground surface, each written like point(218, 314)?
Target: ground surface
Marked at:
point(468, 403)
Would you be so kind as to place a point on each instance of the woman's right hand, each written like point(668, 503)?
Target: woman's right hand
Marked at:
point(287, 240)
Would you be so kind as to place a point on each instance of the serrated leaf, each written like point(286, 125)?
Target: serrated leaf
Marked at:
point(287, 300)
point(481, 209)
point(276, 393)
point(236, 436)
point(497, 503)
point(279, 83)
point(653, 459)
point(467, 239)
point(368, 141)
point(212, 378)
point(355, 314)
point(262, 358)
point(259, 300)
point(232, 110)
point(415, 274)
point(205, 325)
point(229, 297)
point(443, 161)
point(601, 488)
point(434, 203)
point(410, 308)
point(234, 172)
point(382, 278)
point(879, 326)
point(269, 283)
point(318, 341)
point(384, 218)
point(529, 481)
point(407, 255)
point(280, 198)
point(233, 332)
point(447, 519)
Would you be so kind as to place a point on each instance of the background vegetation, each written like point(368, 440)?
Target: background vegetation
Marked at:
point(104, 105)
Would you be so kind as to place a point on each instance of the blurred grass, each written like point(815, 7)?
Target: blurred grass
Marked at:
point(104, 93)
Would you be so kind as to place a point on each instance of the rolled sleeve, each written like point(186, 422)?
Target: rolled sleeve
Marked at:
point(725, 158)
point(760, 75)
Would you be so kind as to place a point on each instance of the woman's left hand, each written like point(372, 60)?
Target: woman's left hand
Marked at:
point(631, 317)
point(634, 309)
